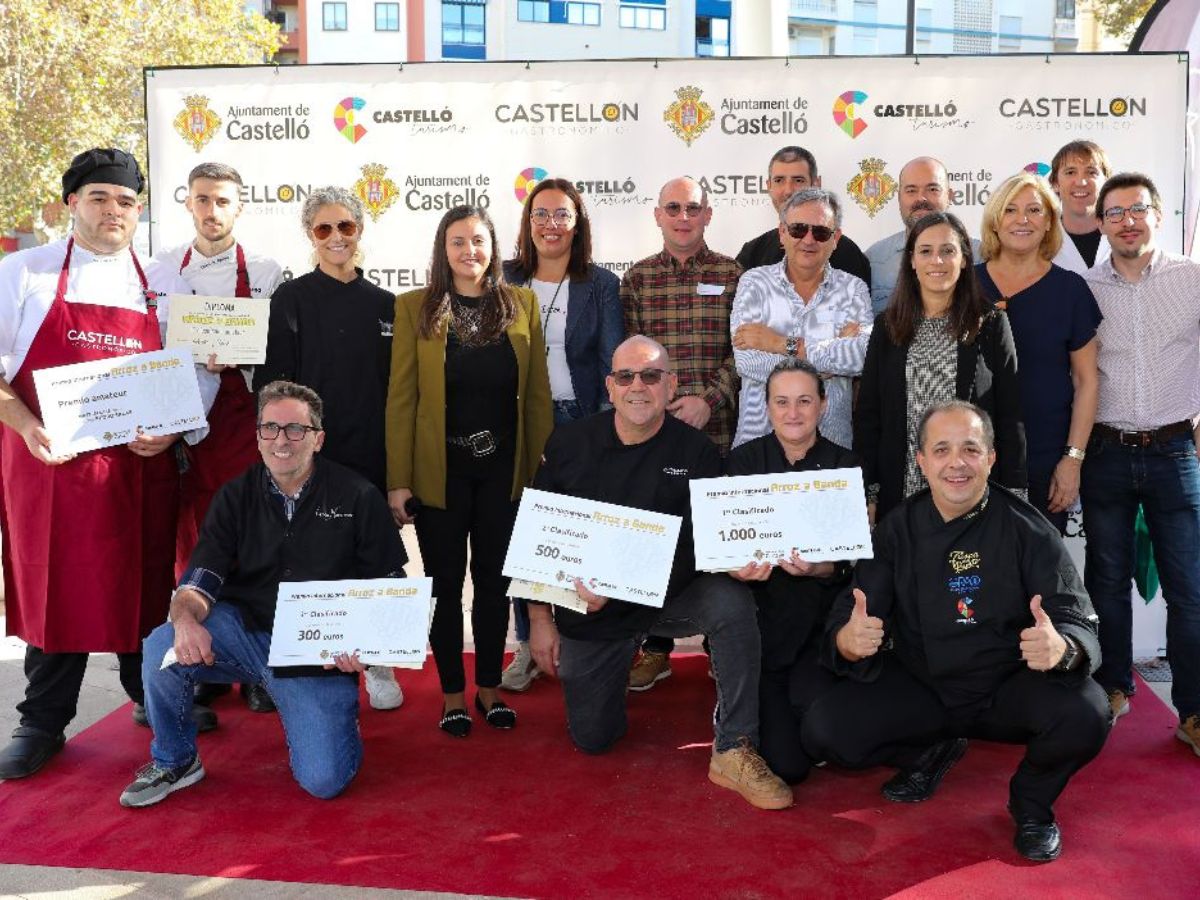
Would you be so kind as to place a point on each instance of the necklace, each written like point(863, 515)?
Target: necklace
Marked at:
point(467, 321)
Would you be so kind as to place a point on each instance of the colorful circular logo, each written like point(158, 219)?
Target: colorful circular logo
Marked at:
point(527, 181)
point(343, 119)
point(611, 112)
point(845, 113)
point(1118, 107)
point(1039, 168)
point(286, 193)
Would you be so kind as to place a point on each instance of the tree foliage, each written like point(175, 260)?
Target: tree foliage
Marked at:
point(71, 78)
point(1121, 17)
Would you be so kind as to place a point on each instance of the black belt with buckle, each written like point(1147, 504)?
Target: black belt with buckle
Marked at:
point(1142, 438)
point(481, 443)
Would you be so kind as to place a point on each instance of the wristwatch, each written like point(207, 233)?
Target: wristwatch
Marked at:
point(1074, 453)
point(789, 346)
point(1070, 656)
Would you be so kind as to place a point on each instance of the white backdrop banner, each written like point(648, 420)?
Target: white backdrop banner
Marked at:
point(417, 139)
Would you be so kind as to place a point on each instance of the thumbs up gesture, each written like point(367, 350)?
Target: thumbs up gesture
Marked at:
point(1041, 646)
point(862, 636)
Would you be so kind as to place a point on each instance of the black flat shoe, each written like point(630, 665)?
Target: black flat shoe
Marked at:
point(1037, 841)
point(918, 783)
point(456, 723)
point(29, 750)
point(257, 698)
point(205, 718)
point(501, 715)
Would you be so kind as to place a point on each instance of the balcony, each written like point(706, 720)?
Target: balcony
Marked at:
point(289, 41)
point(809, 9)
point(1064, 29)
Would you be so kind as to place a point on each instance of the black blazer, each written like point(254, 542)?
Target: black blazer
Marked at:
point(986, 376)
point(595, 327)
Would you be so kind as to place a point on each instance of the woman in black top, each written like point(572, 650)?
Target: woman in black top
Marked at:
point(939, 339)
point(468, 414)
point(331, 330)
point(793, 596)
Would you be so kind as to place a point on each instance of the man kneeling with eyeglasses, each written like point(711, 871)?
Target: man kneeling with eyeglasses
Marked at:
point(292, 517)
point(636, 455)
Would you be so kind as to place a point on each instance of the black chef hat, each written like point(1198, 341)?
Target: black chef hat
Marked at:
point(103, 165)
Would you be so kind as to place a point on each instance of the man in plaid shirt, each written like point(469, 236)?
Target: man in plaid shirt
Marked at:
point(682, 298)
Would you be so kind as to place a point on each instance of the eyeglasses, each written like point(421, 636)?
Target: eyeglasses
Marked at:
point(324, 230)
point(650, 377)
point(294, 431)
point(562, 217)
point(673, 209)
point(1118, 213)
point(820, 233)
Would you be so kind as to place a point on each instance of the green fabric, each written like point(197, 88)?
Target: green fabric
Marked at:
point(1145, 573)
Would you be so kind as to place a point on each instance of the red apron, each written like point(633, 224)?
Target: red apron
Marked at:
point(87, 544)
point(226, 452)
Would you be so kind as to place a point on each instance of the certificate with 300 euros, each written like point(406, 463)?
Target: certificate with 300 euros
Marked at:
point(384, 620)
point(106, 402)
point(820, 515)
point(618, 552)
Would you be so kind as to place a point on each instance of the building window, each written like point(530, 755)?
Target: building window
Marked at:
point(923, 34)
point(533, 11)
point(583, 13)
point(387, 16)
point(646, 17)
point(1009, 40)
point(712, 36)
point(1065, 9)
point(333, 16)
point(464, 34)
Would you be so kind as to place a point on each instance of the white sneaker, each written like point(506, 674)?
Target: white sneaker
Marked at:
point(521, 672)
point(382, 688)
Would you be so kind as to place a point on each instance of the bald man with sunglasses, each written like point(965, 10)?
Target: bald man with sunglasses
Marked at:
point(638, 456)
point(801, 307)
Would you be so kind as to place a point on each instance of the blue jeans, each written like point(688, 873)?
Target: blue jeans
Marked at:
point(594, 674)
point(564, 411)
point(319, 713)
point(1165, 479)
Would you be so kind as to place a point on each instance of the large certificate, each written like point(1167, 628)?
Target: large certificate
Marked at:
point(384, 620)
point(107, 402)
point(234, 328)
point(820, 515)
point(618, 552)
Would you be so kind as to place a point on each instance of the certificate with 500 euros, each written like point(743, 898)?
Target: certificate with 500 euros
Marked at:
point(384, 620)
point(106, 402)
point(233, 328)
point(821, 515)
point(618, 552)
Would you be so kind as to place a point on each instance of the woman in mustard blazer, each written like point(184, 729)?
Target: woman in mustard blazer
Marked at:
point(468, 411)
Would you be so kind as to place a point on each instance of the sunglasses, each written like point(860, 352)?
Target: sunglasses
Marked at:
point(324, 230)
point(673, 209)
point(624, 377)
point(820, 233)
point(294, 431)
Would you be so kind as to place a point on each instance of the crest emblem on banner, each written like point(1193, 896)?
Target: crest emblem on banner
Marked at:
point(197, 123)
point(375, 191)
point(688, 116)
point(872, 187)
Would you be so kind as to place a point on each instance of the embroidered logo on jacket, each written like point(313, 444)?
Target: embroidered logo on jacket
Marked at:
point(330, 514)
point(962, 561)
point(965, 586)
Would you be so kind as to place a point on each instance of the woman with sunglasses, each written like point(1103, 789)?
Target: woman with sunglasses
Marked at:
point(468, 412)
point(939, 339)
point(581, 317)
point(331, 330)
point(1054, 319)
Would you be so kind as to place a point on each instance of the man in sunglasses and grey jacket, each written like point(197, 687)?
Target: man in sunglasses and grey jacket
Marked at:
point(801, 307)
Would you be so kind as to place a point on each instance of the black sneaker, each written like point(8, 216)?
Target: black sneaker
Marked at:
point(153, 784)
point(918, 783)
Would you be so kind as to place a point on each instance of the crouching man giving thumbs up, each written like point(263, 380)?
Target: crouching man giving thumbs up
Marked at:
point(970, 621)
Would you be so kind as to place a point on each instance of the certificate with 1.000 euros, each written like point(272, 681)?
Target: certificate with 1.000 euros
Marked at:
point(820, 515)
point(617, 551)
point(384, 620)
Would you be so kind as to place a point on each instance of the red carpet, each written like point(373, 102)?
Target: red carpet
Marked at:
point(523, 814)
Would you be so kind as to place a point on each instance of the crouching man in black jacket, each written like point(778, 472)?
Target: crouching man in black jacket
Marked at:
point(987, 632)
point(636, 455)
point(292, 517)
